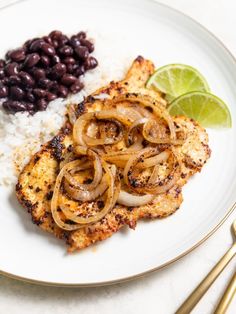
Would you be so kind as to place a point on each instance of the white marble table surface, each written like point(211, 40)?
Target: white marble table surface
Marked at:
point(163, 291)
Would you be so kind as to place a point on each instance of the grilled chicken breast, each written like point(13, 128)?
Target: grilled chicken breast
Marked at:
point(34, 189)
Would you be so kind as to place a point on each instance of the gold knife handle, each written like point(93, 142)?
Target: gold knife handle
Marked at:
point(227, 296)
point(201, 289)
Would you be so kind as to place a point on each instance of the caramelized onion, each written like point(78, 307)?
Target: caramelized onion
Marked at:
point(136, 146)
point(148, 102)
point(137, 123)
point(119, 160)
point(154, 133)
point(114, 115)
point(80, 150)
point(97, 174)
point(155, 160)
point(133, 113)
point(86, 196)
point(79, 127)
point(109, 178)
point(106, 139)
point(79, 131)
point(54, 204)
point(131, 200)
point(145, 113)
point(158, 186)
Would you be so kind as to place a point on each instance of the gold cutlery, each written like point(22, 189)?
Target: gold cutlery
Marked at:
point(201, 289)
point(227, 296)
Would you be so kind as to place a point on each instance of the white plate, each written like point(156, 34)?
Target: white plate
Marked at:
point(165, 36)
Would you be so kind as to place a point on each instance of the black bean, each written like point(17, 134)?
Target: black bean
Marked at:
point(69, 60)
point(30, 96)
point(50, 96)
point(58, 70)
point(70, 68)
point(3, 91)
point(82, 52)
point(17, 55)
point(66, 51)
point(75, 67)
point(88, 44)
point(2, 74)
point(39, 93)
point(11, 68)
point(7, 55)
point(62, 40)
point(62, 91)
point(16, 93)
point(27, 44)
point(55, 59)
point(76, 87)
point(54, 87)
point(14, 106)
point(45, 83)
point(5, 80)
point(2, 63)
point(28, 89)
point(30, 106)
point(26, 79)
point(48, 49)
point(42, 104)
point(45, 61)
point(79, 71)
point(74, 41)
point(36, 45)
point(31, 60)
point(48, 40)
point(55, 34)
point(81, 35)
point(55, 43)
point(90, 63)
point(38, 73)
point(14, 80)
point(68, 79)
point(21, 66)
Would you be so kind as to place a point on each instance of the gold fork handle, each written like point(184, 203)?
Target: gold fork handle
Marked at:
point(227, 296)
point(201, 289)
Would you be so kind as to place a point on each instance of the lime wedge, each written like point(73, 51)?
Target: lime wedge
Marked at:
point(177, 79)
point(209, 110)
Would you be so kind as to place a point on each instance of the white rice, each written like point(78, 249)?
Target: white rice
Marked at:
point(21, 135)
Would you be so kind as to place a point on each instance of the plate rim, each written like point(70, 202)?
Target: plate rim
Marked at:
point(178, 257)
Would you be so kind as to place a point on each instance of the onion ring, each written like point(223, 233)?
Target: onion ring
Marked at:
point(90, 141)
point(157, 187)
point(85, 195)
point(159, 138)
point(149, 102)
point(152, 161)
point(130, 200)
point(97, 174)
point(109, 176)
point(136, 124)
